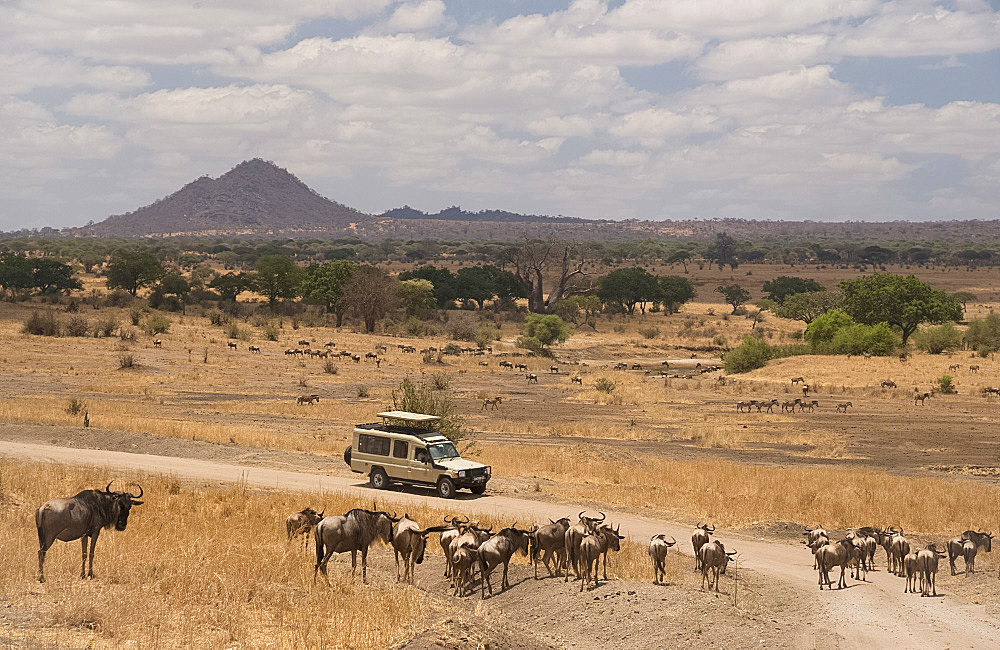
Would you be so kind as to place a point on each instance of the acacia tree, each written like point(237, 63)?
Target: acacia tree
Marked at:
point(536, 259)
point(276, 277)
point(132, 270)
point(681, 256)
point(628, 288)
point(808, 306)
point(324, 284)
point(783, 286)
point(370, 294)
point(229, 285)
point(734, 294)
point(901, 301)
point(675, 291)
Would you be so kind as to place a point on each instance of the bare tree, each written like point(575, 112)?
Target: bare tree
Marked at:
point(370, 294)
point(537, 259)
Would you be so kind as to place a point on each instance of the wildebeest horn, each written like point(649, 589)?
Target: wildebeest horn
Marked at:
point(711, 530)
point(674, 540)
point(580, 516)
point(731, 553)
point(698, 525)
point(108, 489)
point(603, 517)
point(137, 496)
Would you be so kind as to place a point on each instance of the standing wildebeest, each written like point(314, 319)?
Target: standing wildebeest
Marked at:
point(576, 380)
point(798, 380)
point(232, 345)
point(409, 540)
point(699, 539)
point(910, 569)
point(549, 542)
point(79, 517)
point(254, 349)
point(355, 531)
point(956, 546)
point(832, 555)
point(301, 522)
point(611, 540)
point(574, 535)
point(899, 547)
point(714, 558)
point(927, 566)
point(532, 378)
point(888, 383)
point(448, 536)
point(498, 550)
point(589, 557)
point(658, 546)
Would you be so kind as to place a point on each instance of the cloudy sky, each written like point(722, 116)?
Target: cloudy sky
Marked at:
point(804, 109)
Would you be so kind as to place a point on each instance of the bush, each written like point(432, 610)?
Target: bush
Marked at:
point(421, 398)
point(135, 315)
point(362, 390)
point(271, 332)
point(76, 326)
point(42, 323)
point(649, 332)
point(604, 385)
point(217, 317)
point(531, 343)
point(415, 326)
point(879, 340)
point(234, 331)
point(945, 386)
point(753, 353)
point(106, 327)
point(452, 348)
point(541, 331)
point(936, 340)
point(485, 336)
point(462, 332)
point(126, 361)
point(330, 368)
point(76, 406)
point(823, 328)
point(439, 381)
point(126, 334)
point(156, 324)
point(983, 335)
point(119, 298)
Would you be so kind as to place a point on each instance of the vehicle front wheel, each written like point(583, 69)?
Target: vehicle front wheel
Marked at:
point(446, 488)
point(379, 479)
point(478, 489)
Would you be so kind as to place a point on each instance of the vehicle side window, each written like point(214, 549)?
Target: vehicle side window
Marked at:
point(399, 448)
point(373, 445)
point(420, 455)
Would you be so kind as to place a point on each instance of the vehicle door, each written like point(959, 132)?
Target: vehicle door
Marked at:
point(399, 460)
point(420, 465)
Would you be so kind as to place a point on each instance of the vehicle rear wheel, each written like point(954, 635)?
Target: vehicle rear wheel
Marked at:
point(478, 489)
point(446, 488)
point(379, 479)
point(347, 456)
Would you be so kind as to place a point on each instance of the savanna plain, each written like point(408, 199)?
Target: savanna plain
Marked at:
point(206, 563)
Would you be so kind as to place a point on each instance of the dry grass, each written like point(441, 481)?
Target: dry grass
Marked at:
point(733, 494)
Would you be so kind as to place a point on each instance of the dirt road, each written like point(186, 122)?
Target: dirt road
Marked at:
point(874, 613)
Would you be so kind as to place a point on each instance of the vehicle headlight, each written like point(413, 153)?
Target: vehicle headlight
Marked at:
point(462, 474)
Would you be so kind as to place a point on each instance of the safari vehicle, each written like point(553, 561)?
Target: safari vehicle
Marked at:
point(405, 448)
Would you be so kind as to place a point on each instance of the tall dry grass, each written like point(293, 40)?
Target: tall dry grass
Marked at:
point(737, 495)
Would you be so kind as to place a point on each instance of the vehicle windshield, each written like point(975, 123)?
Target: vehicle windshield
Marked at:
point(443, 450)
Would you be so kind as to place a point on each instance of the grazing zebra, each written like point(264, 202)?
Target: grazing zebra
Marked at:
point(920, 397)
point(973, 368)
point(954, 367)
point(798, 380)
point(532, 378)
point(491, 403)
point(307, 399)
point(842, 407)
point(888, 383)
point(576, 380)
point(254, 349)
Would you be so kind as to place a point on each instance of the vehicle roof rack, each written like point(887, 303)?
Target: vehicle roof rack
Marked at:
point(406, 416)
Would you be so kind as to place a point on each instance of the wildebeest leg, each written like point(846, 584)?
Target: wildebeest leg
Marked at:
point(93, 543)
point(505, 584)
point(605, 566)
point(395, 554)
point(83, 562)
point(364, 565)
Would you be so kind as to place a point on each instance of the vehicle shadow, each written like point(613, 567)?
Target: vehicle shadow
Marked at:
point(421, 491)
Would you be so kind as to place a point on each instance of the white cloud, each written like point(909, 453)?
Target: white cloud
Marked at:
point(418, 17)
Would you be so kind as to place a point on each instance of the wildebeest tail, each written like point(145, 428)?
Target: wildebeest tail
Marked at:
point(317, 533)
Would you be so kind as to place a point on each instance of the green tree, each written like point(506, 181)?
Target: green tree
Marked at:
point(723, 251)
point(935, 340)
point(806, 307)
point(174, 284)
point(681, 256)
point(901, 301)
point(963, 297)
point(445, 291)
point(323, 284)
point(822, 328)
point(983, 335)
point(858, 338)
point(629, 287)
point(675, 291)
point(229, 285)
point(133, 269)
point(370, 294)
point(753, 353)
point(542, 331)
point(783, 286)
point(734, 294)
point(416, 296)
point(53, 276)
point(16, 274)
point(475, 283)
point(277, 277)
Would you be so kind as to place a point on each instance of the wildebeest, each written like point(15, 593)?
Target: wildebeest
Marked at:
point(301, 523)
point(574, 535)
point(899, 547)
point(498, 550)
point(576, 380)
point(232, 345)
point(82, 516)
point(532, 378)
point(554, 369)
point(463, 563)
point(447, 537)
point(254, 349)
point(658, 546)
point(699, 539)
point(910, 569)
point(956, 546)
point(888, 383)
point(798, 380)
point(927, 566)
point(157, 343)
point(611, 540)
point(354, 531)
point(589, 557)
point(714, 558)
point(549, 542)
point(840, 554)
point(410, 541)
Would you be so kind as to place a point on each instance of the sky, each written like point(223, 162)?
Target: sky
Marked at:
point(649, 109)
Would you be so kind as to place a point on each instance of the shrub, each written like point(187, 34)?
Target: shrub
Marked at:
point(330, 368)
point(936, 340)
point(76, 406)
point(106, 327)
point(271, 332)
point(983, 335)
point(753, 353)
point(543, 330)
point(421, 398)
point(879, 340)
point(531, 343)
point(119, 298)
point(234, 331)
point(649, 332)
point(42, 323)
point(945, 385)
point(462, 332)
point(135, 315)
point(362, 390)
point(126, 334)
point(604, 385)
point(452, 348)
point(824, 327)
point(415, 326)
point(76, 326)
point(156, 324)
point(439, 381)
point(126, 361)
point(485, 336)
point(217, 317)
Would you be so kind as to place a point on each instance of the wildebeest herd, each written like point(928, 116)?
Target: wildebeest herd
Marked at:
point(856, 551)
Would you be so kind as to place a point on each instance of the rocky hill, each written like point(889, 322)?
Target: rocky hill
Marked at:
point(254, 198)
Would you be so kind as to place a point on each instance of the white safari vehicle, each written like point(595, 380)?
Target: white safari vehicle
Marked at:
point(405, 448)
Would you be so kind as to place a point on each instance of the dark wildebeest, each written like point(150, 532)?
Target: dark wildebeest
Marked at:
point(549, 542)
point(80, 517)
point(574, 535)
point(699, 539)
point(955, 546)
point(658, 546)
point(301, 523)
point(498, 550)
point(355, 531)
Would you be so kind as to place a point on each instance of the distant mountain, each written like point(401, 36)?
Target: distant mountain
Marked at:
point(455, 213)
point(255, 197)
